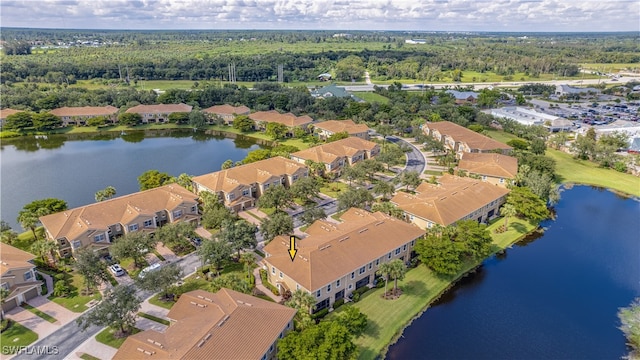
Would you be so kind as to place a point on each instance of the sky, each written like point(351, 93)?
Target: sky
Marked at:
point(416, 15)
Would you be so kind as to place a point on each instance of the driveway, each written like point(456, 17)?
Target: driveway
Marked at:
point(37, 324)
point(93, 348)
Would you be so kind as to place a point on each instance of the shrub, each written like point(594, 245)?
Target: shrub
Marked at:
point(356, 297)
point(620, 166)
point(60, 289)
point(320, 314)
point(338, 303)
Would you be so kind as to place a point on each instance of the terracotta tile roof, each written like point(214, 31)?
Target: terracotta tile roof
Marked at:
point(248, 174)
point(329, 152)
point(6, 112)
point(336, 126)
point(449, 201)
point(334, 250)
point(160, 109)
point(224, 325)
point(71, 223)
point(489, 164)
point(287, 119)
point(227, 110)
point(85, 111)
point(14, 258)
point(461, 134)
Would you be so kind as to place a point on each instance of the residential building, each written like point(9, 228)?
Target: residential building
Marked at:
point(17, 275)
point(336, 154)
point(224, 325)
point(239, 187)
point(453, 199)
point(227, 112)
point(463, 97)
point(97, 225)
point(327, 128)
point(496, 169)
point(567, 90)
point(158, 113)
point(334, 91)
point(80, 115)
point(460, 139)
point(6, 112)
point(336, 259)
point(262, 118)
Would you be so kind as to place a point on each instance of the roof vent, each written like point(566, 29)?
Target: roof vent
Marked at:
point(223, 320)
point(343, 239)
point(208, 336)
point(363, 230)
point(325, 247)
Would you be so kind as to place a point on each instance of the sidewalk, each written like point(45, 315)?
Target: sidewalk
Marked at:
point(93, 348)
point(49, 281)
point(259, 286)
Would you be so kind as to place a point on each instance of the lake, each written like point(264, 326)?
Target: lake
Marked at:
point(553, 296)
point(74, 167)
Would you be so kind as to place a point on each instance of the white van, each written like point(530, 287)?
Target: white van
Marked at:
point(149, 269)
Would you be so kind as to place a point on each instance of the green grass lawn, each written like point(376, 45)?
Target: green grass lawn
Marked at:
point(433, 172)
point(154, 318)
point(370, 96)
point(16, 335)
point(386, 318)
point(129, 266)
point(501, 136)
point(76, 302)
point(262, 136)
point(39, 313)
point(26, 239)
point(106, 337)
point(574, 171)
point(610, 67)
point(163, 304)
point(86, 356)
point(517, 228)
point(332, 189)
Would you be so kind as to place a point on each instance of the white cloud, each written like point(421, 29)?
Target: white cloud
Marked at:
point(446, 15)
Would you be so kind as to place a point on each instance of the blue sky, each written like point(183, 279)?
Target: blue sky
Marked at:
point(419, 15)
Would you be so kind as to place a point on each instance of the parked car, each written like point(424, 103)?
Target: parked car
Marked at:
point(196, 241)
point(116, 270)
point(149, 269)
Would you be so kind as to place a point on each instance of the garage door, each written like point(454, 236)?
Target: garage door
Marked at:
point(10, 304)
point(31, 294)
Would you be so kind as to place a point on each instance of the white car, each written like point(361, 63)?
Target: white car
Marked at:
point(116, 269)
point(149, 269)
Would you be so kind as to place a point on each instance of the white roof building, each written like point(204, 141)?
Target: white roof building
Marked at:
point(523, 115)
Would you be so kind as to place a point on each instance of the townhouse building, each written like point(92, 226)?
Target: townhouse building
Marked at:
point(460, 140)
point(496, 169)
point(226, 112)
point(80, 115)
point(453, 199)
point(17, 276)
point(336, 259)
point(6, 112)
point(291, 121)
point(97, 225)
point(214, 326)
point(327, 128)
point(336, 154)
point(158, 113)
point(239, 187)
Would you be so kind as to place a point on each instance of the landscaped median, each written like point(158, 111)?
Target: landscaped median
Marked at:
point(420, 287)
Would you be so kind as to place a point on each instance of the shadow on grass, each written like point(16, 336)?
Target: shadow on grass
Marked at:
point(367, 353)
point(414, 288)
point(521, 229)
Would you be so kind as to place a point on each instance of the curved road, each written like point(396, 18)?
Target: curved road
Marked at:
point(415, 159)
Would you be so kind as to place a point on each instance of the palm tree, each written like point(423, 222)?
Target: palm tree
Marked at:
point(303, 302)
point(29, 220)
point(397, 271)
point(384, 270)
point(508, 210)
point(43, 248)
point(248, 259)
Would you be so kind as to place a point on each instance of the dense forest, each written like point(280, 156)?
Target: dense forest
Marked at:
point(66, 56)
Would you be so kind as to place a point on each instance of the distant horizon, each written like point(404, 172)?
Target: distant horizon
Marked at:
point(517, 16)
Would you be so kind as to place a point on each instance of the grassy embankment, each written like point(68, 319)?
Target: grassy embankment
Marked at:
point(573, 171)
point(16, 335)
point(420, 287)
point(370, 96)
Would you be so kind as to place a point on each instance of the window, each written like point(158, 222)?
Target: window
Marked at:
point(148, 223)
point(397, 251)
point(288, 325)
point(318, 293)
point(99, 237)
point(245, 192)
point(350, 286)
point(133, 227)
point(295, 177)
point(271, 348)
point(5, 286)
point(501, 181)
point(338, 283)
point(377, 262)
point(404, 247)
point(264, 357)
point(297, 288)
point(194, 208)
point(281, 276)
point(266, 186)
point(370, 265)
point(429, 225)
point(413, 242)
point(62, 242)
point(389, 256)
point(484, 178)
point(353, 275)
point(361, 270)
point(76, 244)
point(273, 270)
point(329, 288)
point(177, 214)
point(28, 275)
point(231, 196)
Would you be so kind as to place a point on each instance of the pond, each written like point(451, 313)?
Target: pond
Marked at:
point(552, 296)
point(74, 167)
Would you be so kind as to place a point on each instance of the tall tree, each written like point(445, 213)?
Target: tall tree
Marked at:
point(4, 293)
point(197, 119)
point(329, 340)
point(306, 188)
point(19, 121)
point(280, 223)
point(397, 270)
point(44, 248)
point(160, 280)
point(248, 259)
point(243, 123)
point(277, 196)
point(311, 213)
point(227, 164)
point(527, 204)
point(105, 194)
point(117, 309)
point(389, 209)
point(184, 180)
point(88, 264)
point(276, 131)
point(507, 210)
point(384, 270)
point(134, 245)
point(440, 253)
point(214, 252)
point(129, 119)
point(303, 302)
point(353, 319)
point(240, 234)
point(410, 179)
point(360, 198)
point(46, 121)
point(152, 179)
point(384, 189)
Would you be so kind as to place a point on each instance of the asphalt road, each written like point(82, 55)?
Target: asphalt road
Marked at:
point(415, 159)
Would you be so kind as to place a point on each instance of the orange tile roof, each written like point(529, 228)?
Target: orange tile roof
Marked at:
point(85, 111)
point(489, 164)
point(329, 152)
point(224, 325)
point(160, 109)
point(6, 112)
point(449, 201)
point(287, 119)
point(72, 223)
point(248, 174)
point(461, 134)
point(14, 258)
point(336, 126)
point(227, 109)
point(334, 250)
